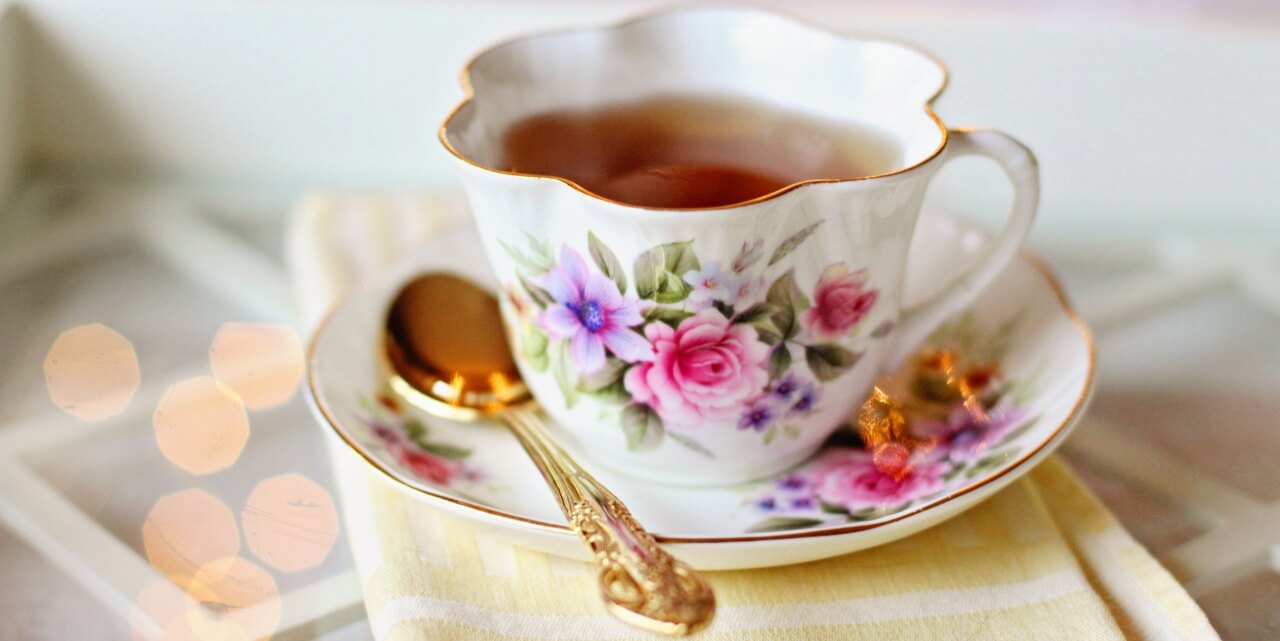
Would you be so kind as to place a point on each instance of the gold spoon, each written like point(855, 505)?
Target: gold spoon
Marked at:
point(449, 356)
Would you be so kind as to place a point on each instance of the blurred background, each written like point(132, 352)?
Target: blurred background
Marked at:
point(150, 153)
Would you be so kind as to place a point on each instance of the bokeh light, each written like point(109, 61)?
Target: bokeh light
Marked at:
point(178, 617)
point(91, 372)
point(186, 530)
point(290, 522)
point(260, 361)
point(200, 425)
point(238, 596)
point(160, 602)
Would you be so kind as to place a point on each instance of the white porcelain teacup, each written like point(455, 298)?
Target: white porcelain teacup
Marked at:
point(716, 345)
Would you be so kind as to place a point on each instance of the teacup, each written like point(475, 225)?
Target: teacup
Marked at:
point(717, 345)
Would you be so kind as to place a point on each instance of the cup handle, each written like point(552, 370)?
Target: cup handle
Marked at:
point(1019, 165)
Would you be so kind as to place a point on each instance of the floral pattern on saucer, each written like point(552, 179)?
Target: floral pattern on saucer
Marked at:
point(677, 343)
point(929, 429)
point(1043, 358)
point(408, 441)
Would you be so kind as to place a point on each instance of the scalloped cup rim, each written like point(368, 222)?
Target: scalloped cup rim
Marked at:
point(643, 21)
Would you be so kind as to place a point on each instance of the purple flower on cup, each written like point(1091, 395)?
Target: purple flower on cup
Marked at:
point(787, 387)
point(796, 394)
point(806, 396)
point(758, 416)
point(793, 482)
point(591, 312)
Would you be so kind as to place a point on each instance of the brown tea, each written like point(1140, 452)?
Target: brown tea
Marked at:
point(682, 152)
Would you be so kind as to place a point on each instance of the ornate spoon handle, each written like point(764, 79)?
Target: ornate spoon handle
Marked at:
point(641, 584)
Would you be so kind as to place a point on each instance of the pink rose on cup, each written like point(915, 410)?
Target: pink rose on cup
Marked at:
point(850, 478)
point(840, 301)
point(706, 369)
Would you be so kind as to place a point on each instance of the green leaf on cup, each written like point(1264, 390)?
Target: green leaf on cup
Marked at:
point(614, 394)
point(607, 262)
point(679, 257)
point(788, 301)
point(648, 271)
point(642, 427)
point(792, 242)
point(539, 295)
point(562, 371)
point(756, 312)
point(606, 376)
point(766, 332)
point(658, 271)
point(535, 265)
point(669, 315)
point(533, 347)
point(784, 291)
point(779, 361)
point(770, 435)
point(541, 250)
point(784, 321)
point(828, 361)
point(673, 289)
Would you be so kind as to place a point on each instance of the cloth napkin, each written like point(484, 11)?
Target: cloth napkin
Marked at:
point(1043, 559)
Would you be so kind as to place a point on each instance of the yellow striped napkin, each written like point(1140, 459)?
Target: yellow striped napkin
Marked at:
point(1043, 559)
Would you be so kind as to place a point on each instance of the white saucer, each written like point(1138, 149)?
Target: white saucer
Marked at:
point(1020, 346)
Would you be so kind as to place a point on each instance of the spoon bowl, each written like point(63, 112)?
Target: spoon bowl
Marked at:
point(447, 347)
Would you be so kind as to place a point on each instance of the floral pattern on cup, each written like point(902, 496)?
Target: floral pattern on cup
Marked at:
point(678, 343)
point(946, 417)
point(408, 441)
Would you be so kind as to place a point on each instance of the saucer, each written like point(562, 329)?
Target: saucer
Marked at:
point(992, 392)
